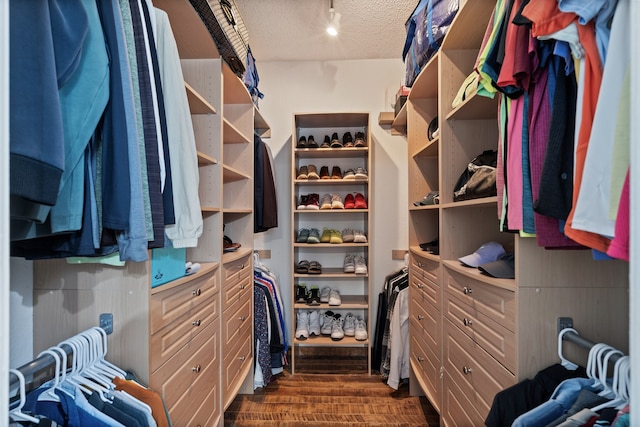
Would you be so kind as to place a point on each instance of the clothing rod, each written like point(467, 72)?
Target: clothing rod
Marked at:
point(38, 371)
point(585, 343)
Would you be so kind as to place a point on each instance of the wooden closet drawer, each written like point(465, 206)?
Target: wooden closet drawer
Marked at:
point(427, 324)
point(167, 306)
point(424, 290)
point(497, 340)
point(237, 323)
point(426, 365)
point(186, 380)
point(234, 365)
point(235, 271)
point(478, 375)
point(458, 411)
point(239, 292)
point(425, 268)
point(205, 415)
point(496, 303)
point(170, 340)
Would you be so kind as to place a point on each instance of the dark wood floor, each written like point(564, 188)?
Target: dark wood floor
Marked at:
point(330, 400)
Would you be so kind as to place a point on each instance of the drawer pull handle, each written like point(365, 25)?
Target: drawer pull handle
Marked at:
point(420, 317)
point(420, 286)
point(241, 318)
point(242, 358)
point(241, 266)
point(466, 370)
point(420, 359)
point(467, 322)
point(196, 323)
point(467, 291)
point(420, 264)
point(197, 292)
point(242, 286)
point(196, 369)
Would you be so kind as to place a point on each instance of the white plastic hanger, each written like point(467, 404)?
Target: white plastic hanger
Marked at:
point(17, 414)
point(565, 362)
point(109, 367)
point(619, 387)
point(603, 368)
point(50, 395)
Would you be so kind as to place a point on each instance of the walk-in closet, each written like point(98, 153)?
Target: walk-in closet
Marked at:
point(330, 212)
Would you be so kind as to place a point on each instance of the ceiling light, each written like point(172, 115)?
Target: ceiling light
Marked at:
point(334, 21)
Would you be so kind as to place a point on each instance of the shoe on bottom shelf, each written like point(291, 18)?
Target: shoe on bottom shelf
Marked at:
point(302, 325)
point(337, 333)
point(334, 297)
point(349, 326)
point(326, 322)
point(361, 329)
point(314, 323)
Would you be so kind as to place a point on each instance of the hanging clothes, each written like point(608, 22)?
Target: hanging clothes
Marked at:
point(265, 213)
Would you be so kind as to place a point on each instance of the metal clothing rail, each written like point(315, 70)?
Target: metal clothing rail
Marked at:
point(37, 372)
point(585, 343)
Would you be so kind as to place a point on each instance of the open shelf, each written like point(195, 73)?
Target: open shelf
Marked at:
point(197, 104)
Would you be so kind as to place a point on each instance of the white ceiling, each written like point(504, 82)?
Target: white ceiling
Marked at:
point(294, 30)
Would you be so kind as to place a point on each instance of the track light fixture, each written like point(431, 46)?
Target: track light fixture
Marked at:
point(334, 21)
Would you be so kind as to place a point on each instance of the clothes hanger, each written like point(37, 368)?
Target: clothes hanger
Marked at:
point(50, 395)
point(92, 370)
point(603, 368)
point(597, 365)
point(17, 414)
point(619, 387)
point(564, 361)
point(109, 366)
point(79, 364)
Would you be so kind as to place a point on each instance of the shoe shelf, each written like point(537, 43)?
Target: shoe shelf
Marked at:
point(328, 342)
point(348, 301)
point(197, 103)
point(428, 150)
point(344, 152)
point(354, 288)
point(333, 273)
point(329, 245)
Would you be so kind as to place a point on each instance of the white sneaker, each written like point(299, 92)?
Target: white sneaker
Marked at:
point(361, 329)
point(314, 323)
point(327, 320)
point(359, 237)
point(302, 325)
point(349, 325)
point(360, 265)
point(349, 265)
point(337, 333)
point(334, 297)
point(324, 294)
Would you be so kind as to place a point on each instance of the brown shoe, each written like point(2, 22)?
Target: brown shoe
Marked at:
point(312, 172)
point(336, 173)
point(360, 142)
point(324, 172)
point(302, 173)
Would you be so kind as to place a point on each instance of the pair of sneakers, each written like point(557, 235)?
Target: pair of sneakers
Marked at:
point(332, 325)
point(354, 263)
point(331, 201)
point(355, 327)
point(350, 235)
point(309, 296)
point(307, 324)
point(330, 296)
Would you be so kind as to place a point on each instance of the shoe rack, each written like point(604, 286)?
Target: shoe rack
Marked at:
point(354, 289)
point(472, 335)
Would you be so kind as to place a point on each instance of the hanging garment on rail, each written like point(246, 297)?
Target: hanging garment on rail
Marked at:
point(265, 213)
point(129, 149)
point(396, 283)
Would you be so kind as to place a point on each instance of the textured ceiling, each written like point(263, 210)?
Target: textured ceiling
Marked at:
point(294, 30)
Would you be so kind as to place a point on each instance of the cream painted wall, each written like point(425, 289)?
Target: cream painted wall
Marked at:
point(336, 86)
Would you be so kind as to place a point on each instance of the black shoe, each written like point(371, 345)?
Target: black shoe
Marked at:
point(360, 142)
point(326, 143)
point(347, 140)
point(335, 142)
point(301, 293)
point(314, 296)
point(302, 142)
point(311, 143)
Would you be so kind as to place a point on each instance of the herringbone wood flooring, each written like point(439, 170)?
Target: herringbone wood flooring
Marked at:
point(330, 400)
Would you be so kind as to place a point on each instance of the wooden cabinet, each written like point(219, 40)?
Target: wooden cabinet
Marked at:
point(472, 335)
point(354, 288)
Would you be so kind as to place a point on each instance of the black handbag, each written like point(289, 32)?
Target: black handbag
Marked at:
point(478, 179)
